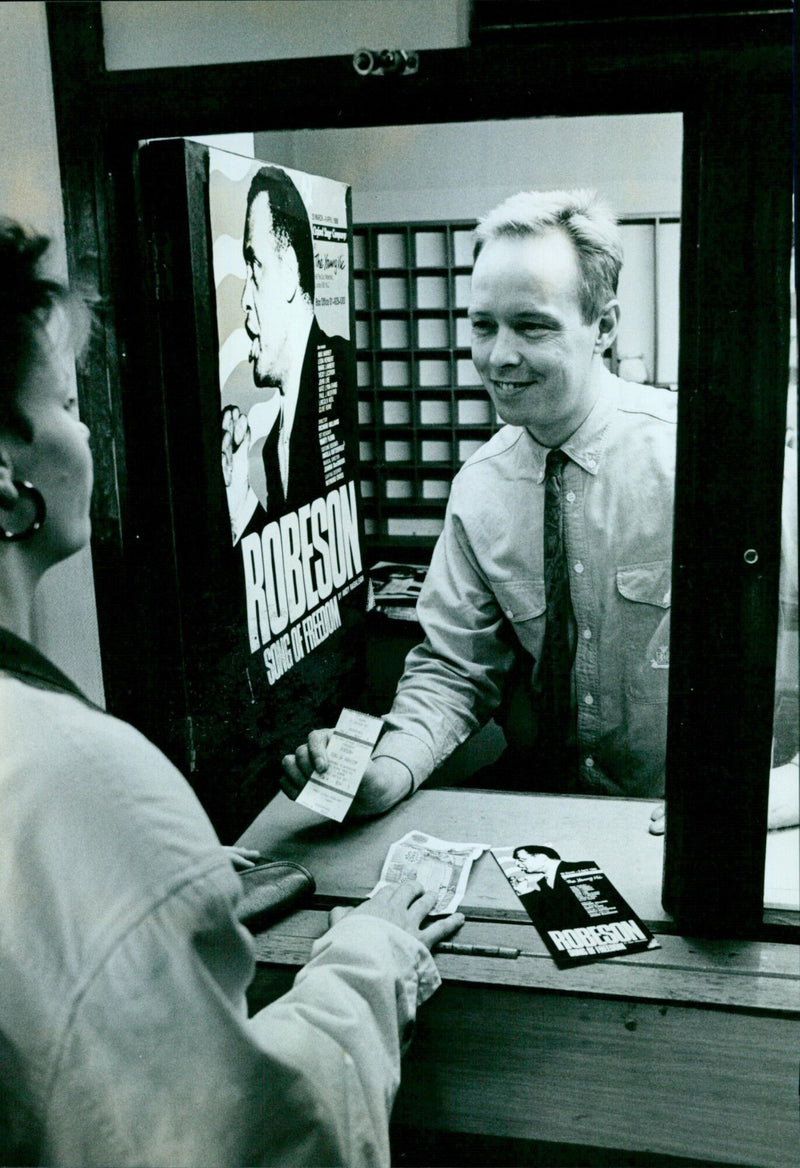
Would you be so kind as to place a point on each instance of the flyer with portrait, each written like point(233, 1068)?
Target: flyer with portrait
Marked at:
point(578, 912)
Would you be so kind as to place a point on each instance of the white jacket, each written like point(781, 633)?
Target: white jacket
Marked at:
point(124, 1036)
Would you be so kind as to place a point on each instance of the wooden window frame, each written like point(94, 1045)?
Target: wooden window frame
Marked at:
point(730, 77)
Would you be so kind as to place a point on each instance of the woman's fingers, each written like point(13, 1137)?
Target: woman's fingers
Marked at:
point(441, 929)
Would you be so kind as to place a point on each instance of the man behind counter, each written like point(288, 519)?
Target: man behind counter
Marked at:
point(560, 560)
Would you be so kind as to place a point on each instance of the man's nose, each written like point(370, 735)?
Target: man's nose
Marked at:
point(505, 350)
point(246, 301)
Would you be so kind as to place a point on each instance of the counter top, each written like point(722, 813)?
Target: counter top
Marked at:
point(346, 861)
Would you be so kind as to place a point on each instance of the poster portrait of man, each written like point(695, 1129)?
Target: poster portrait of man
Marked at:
point(283, 321)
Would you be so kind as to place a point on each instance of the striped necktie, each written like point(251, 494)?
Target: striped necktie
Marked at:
point(556, 737)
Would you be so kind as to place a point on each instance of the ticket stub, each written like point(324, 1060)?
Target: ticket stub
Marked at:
point(349, 751)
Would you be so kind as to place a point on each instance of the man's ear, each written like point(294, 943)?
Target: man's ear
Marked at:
point(290, 274)
point(607, 326)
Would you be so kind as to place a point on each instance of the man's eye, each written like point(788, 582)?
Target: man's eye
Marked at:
point(481, 326)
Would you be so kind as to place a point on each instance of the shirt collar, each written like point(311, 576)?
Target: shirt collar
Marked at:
point(585, 447)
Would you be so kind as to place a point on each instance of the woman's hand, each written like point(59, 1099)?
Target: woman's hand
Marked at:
point(406, 905)
point(243, 858)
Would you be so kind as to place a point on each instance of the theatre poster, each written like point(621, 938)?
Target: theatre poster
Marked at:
point(255, 317)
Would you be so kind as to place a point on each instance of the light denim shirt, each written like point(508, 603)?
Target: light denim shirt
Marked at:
point(484, 596)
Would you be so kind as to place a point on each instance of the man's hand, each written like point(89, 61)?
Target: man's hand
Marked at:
point(658, 820)
point(386, 781)
point(784, 801)
point(406, 905)
point(235, 449)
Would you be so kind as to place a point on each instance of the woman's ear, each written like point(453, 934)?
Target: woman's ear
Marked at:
point(8, 492)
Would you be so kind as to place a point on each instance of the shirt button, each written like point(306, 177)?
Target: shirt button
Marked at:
point(589, 762)
point(587, 634)
point(589, 700)
point(570, 496)
point(510, 614)
point(578, 567)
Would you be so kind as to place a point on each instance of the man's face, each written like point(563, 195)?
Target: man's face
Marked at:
point(269, 289)
point(534, 863)
point(530, 344)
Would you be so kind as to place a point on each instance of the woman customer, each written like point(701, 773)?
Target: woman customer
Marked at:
point(124, 1036)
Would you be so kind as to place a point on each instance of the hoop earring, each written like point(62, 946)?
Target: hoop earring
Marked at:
point(39, 514)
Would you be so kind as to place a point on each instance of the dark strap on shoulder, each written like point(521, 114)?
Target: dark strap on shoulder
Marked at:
point(20, 659)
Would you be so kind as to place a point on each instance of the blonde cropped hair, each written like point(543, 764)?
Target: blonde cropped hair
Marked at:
point(587, 220)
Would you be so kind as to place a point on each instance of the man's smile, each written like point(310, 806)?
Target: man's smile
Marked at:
point(511, 387)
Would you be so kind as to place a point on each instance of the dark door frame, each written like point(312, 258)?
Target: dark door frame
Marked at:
point(730, 76)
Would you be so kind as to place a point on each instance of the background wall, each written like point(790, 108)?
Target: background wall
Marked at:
point(459, 171)
point(65, 622)
point(210, 32)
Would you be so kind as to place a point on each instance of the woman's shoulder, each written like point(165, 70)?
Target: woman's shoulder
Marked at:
point(41, 720)
point(97, 769)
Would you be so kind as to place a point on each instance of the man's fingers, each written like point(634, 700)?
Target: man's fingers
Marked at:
point(303, 760)
point(292, 778)
point(317, 742)
point(658, 821)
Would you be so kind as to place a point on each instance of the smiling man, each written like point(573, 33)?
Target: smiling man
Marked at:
point(554, 564)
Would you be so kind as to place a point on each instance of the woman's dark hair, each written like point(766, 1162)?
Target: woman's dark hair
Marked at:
point(28, 298)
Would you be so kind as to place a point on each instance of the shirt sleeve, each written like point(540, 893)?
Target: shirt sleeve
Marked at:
point(160, 1064)
point(453, 680)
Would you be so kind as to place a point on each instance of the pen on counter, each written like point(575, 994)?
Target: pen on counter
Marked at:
point(477, 950)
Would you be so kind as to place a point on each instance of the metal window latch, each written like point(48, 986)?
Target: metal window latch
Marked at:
point(384, 62)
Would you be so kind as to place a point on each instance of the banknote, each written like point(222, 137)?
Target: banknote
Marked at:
point(439, 865)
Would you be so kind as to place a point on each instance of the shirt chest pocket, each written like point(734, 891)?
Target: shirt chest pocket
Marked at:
point(523, 604)
point(645, 598)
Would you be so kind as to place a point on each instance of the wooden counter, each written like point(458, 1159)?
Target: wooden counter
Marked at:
point(688, 1050)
